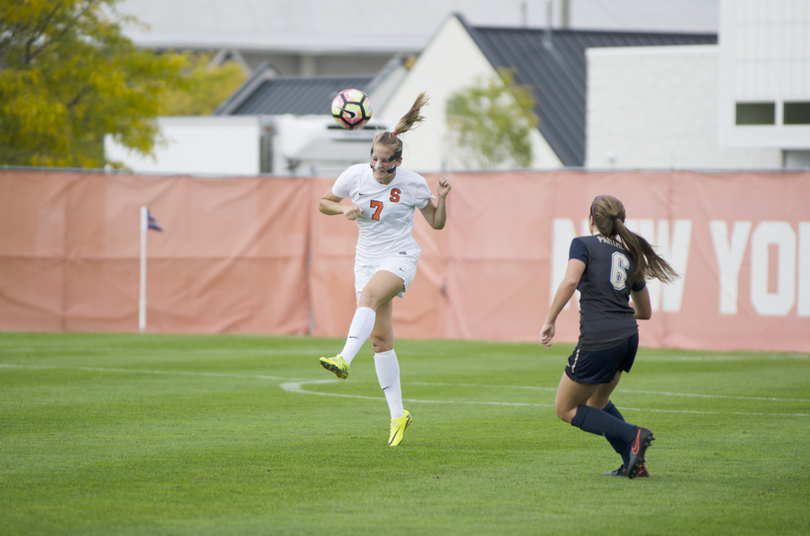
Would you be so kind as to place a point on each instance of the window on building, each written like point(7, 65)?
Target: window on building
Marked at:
point(266, 149)
point(756, 113)
point(796, 113)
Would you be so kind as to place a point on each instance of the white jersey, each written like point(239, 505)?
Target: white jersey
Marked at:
point(386, 224)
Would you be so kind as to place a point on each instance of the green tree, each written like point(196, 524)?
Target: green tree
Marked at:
point(68, 77)
point(205, 87)
point(490, 122)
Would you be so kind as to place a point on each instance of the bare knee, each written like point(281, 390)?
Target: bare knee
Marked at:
point(382, 344)
point(566, 414)
point(382, 338)
point(367, 299)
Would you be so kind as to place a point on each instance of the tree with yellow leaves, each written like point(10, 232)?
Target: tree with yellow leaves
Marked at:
point(205, 86)
point(68, 77)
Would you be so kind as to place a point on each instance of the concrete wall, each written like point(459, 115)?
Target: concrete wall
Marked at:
point(657, 107)
point(765, 58)
point(198, 145)
point(231, 145)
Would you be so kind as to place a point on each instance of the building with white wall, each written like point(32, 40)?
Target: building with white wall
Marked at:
point(550, 63)
point(658, 107)
point(450, 62)
point(741, 104)
point(606, 99)
point(197, 145)
point(765, 77)
point(246, 145)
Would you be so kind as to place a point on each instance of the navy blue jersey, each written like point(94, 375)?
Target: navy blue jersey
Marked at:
point(605, 316)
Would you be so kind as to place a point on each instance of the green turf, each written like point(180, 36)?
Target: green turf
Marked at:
point(217, 435)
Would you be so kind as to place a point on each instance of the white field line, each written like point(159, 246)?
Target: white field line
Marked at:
point(136, 371)
point(622, 391)
point(295, 386)
point(241, 351)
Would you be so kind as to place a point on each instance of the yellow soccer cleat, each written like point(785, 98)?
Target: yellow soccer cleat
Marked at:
point(337, 365)
point(398, 429)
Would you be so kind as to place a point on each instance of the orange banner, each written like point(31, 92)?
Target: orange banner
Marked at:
point(254, 255)
point(232, 257)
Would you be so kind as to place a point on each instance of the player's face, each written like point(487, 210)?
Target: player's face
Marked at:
point(383, 162)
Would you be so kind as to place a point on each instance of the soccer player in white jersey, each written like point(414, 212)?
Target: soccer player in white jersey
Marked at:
point(383, 198)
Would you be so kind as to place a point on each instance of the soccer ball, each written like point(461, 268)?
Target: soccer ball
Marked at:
point(351, 109)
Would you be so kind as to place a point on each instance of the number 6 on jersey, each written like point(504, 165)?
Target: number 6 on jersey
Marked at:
point(618, 270)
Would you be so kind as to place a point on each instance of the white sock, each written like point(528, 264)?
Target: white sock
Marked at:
point(359, 331)
point(388, 373)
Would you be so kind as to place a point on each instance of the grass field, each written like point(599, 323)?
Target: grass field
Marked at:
point(240, 435)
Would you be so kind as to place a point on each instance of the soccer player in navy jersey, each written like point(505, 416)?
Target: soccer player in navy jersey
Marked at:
point(383, 198)
point(609, 269)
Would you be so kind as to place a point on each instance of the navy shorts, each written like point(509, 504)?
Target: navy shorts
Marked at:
point(600, 366)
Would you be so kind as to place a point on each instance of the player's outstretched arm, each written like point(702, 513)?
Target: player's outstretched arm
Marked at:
point(436, 215)
point(331, 205)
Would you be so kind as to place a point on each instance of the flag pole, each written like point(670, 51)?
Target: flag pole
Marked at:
point(142, 301)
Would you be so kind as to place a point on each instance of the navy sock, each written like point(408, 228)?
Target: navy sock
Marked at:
point(618, 445)
point(596, 421)
point(613, 410)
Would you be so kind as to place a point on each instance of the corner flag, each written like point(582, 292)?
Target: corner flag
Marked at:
point(152, 222)
point(147, 222)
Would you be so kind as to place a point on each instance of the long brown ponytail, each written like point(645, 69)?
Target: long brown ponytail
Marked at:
point(407, 122)
point(609, 217)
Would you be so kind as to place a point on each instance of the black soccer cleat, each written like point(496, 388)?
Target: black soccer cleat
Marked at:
point(622, 471)
point(644, 438)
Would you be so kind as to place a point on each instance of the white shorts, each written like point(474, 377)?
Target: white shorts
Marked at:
point(403, 266)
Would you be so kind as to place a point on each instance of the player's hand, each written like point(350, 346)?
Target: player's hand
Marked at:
point(546, 334)
point(443, 187)
point(353, 213)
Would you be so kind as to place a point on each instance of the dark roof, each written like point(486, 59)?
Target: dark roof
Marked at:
point(267, 93)
point(557, 73)
point(296, 95)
